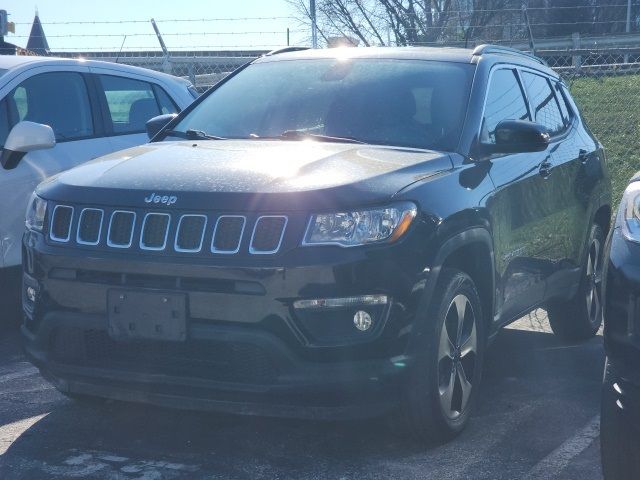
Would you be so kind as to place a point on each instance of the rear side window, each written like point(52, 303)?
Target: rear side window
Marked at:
point(546, 110)
point(505, 101)
point(131, 103)
point(57, 99)
point(564, 106)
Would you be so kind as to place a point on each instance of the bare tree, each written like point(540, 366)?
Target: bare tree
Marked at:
point(464, 22)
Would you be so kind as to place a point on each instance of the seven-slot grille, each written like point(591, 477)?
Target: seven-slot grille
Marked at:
point(152, 230)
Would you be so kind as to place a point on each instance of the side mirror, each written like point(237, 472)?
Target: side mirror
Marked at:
point(155, 124)
point(25, 137)
point(519, 136)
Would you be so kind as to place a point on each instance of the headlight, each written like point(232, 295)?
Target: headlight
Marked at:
point(629, 213)
point(360, 227)
point(36, 212)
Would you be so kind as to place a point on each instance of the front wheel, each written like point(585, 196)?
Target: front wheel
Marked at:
point(581, 317)
point(444, 381)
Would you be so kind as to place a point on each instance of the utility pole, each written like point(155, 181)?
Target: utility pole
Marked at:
point(314, 25)
point(166, 64)
point(628, 27)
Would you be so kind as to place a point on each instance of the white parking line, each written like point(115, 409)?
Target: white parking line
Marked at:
point(551, 465)
point(10, 432)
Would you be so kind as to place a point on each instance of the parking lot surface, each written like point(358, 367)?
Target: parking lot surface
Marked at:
point(537, 418)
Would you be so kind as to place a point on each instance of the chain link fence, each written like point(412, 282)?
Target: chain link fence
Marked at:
point(606, 86)
point(605, 83)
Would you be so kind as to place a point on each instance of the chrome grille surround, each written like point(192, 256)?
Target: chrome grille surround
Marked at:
point(156, 232)
point(80, 224)
point(255, 251)
point(176, 245)
point(52, 224)
point(143, 231)
point(240, 236)
point(133, 225)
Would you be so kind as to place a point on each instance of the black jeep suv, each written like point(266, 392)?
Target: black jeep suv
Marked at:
point(324, 233)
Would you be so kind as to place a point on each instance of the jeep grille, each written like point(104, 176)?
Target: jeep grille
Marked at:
point(161, 231)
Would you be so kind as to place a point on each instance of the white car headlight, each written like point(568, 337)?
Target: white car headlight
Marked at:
point(629, 213)
point(360, 227)
point(36, 212)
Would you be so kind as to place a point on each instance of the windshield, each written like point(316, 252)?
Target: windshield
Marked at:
point(408, 103)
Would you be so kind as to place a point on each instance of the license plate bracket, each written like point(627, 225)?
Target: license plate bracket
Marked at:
point(140, 315)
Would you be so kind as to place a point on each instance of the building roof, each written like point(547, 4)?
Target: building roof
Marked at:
point(37, 42)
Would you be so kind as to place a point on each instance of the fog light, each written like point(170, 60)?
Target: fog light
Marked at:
point(31, 294)
point(362, 320)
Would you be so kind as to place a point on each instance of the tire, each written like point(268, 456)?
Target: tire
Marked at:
point(619, 440)
point(580, 318)
point(443, 383)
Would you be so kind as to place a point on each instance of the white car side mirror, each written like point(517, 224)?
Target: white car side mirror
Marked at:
point(25, 137)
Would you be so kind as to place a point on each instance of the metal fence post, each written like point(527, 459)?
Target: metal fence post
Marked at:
point(576, 60)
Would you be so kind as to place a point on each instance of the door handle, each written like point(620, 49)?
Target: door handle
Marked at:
point(583, 156)
point(545, 169)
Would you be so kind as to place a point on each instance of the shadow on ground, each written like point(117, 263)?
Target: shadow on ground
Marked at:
point(536, 394)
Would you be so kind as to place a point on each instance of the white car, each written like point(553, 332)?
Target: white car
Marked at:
point(57, 113)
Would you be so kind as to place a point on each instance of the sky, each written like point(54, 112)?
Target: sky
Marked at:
point(205, 25)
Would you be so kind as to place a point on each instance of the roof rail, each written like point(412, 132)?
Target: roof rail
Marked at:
point(285, 50)
point(488, 48)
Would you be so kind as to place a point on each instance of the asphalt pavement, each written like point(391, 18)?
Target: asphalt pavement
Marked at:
point(537, 418)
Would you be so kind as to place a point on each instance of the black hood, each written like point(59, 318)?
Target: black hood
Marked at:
point(246, 174)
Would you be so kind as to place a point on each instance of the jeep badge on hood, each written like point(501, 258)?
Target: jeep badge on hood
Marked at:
point(166, 199)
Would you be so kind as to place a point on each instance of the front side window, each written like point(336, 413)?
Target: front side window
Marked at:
point(505, 101)
point(409, 103)
point(4, 122)
point(131, 103)
point(543, 102)
point(57, 99)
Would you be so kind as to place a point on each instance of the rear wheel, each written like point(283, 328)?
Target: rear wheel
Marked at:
point(581, 317)
point(443, 383)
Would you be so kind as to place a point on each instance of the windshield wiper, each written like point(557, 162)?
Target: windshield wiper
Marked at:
point(302, 135)
point(193, 134)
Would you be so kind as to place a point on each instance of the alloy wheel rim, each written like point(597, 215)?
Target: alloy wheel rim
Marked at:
point(594, 283)
point(457, 353)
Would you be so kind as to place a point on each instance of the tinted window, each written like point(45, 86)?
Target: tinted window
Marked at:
point(543, 102)
point(57, 99)
point(166, 104)
point(131, 103)
point(393, 102)
point(564, 107)
point(4, 122)
point(505, 101)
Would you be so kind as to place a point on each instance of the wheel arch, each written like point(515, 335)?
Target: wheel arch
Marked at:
point(470, 251)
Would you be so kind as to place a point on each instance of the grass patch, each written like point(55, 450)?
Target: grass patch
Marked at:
point(611, 106)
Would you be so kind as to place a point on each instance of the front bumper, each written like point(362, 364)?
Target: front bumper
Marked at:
point(247, 348)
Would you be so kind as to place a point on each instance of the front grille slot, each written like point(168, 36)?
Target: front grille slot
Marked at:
point(190, 233)
point(90, 226)
point(155, 230)
point(121, 225)
point(61, 219)
point(227, 234)
point(267, 234)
